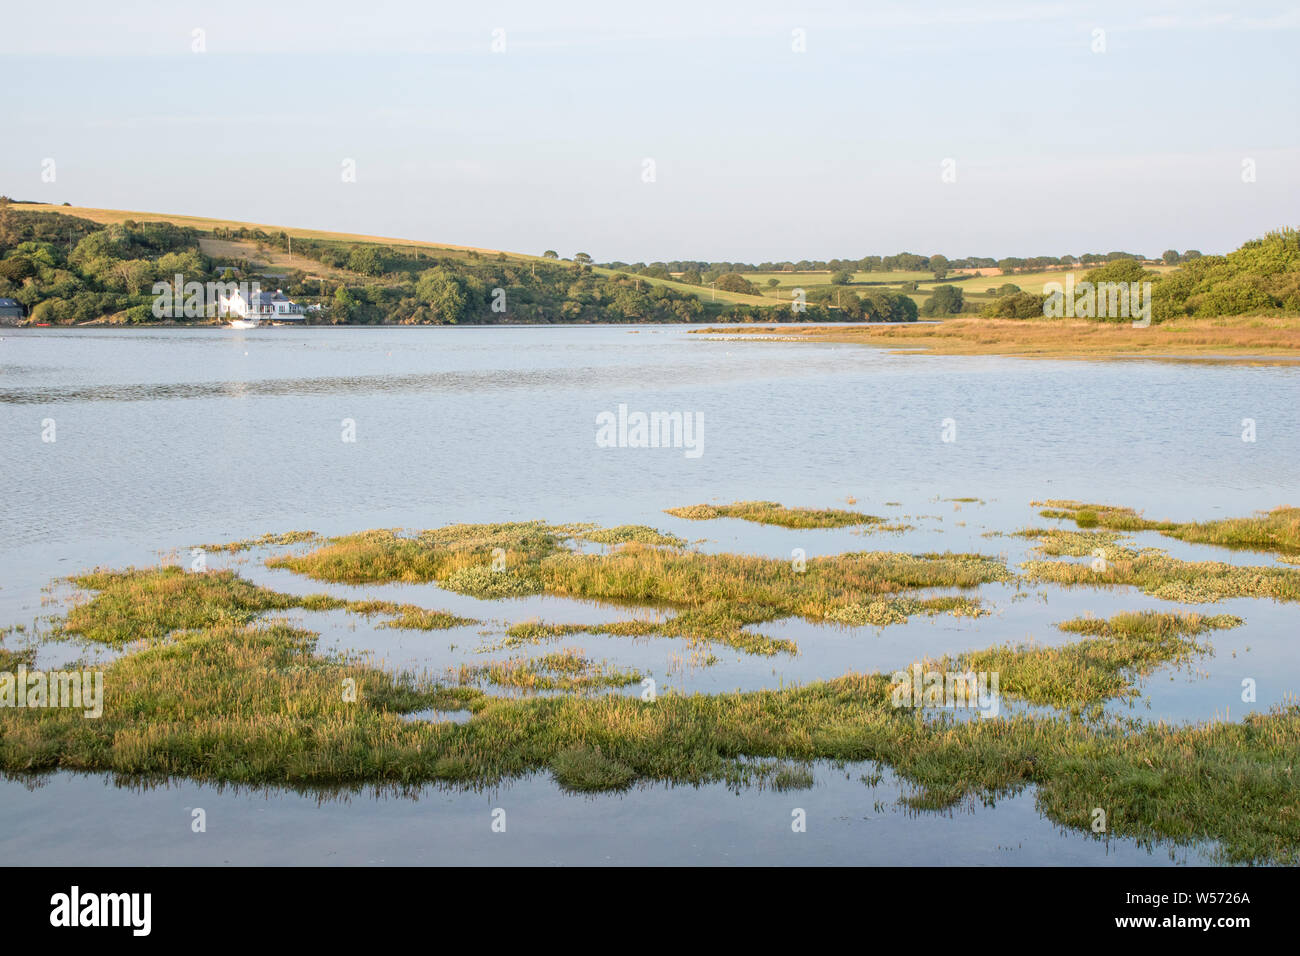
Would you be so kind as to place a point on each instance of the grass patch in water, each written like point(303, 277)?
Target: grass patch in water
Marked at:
point(408, 616)
point(715, 596)
point(1275, 531)
point(882, 613)
point(774, 513)
point(1156, 573)
point(538, 632)
point(1089, 672)
point(263, 541)
point(565, 670)
point(641, 534)
point(148, 604)
point(1077, 544)
point(255, 704)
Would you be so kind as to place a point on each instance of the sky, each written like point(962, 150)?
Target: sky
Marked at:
point(752, 131)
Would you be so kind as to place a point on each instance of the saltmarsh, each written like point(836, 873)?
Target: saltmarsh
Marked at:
point(1107, 665)
point(217, 691)
point(254, 703)
point(1277, 530)
point(713, 598)
point(774, 513)
point(148, 604)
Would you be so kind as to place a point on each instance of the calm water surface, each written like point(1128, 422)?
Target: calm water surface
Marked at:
point(170, 438)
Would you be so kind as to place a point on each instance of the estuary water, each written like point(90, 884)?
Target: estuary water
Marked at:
point(128, 447)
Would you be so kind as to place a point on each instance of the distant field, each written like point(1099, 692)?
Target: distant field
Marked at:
point(1031, 281)
point(700, 292)
point(822, 277)
point(268, 259)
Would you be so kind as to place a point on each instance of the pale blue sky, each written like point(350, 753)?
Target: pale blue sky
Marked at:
point(760, 152)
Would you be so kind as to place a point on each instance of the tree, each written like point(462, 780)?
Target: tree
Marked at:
point(366, 260)
point(1019, 305)
point(843, 277)
point(582, 258)
point(550, 254)
point(734, 282)
point(939, 265)
point(881, 305)
point(1119, 270)
point(1171, 257)
point(343, 307)
point(945, 300)
point(8, 227)
point(445, 293)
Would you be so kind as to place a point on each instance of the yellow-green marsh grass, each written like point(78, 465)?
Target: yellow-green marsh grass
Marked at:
point(1125, 647)
point(267, 540)
point(254, 704)
point(564, 670)
point(218, 696)
point(641, 534)
point(1155, 573)
point(150, 603)
point(771, 512)
point(408, 616)
point(1276, 531)
point(716, 596)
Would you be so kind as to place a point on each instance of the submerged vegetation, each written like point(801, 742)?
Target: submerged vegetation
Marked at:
point(215, 689)
point(262, 541)
point(565, 670)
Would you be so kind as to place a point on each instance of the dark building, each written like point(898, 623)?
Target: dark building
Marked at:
point(11, 312)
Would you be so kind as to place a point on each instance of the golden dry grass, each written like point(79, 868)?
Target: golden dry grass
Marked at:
point(1235, 337)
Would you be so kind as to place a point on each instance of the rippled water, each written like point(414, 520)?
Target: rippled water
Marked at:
point(169, 438)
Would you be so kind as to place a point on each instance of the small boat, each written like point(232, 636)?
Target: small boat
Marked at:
point(244, 323)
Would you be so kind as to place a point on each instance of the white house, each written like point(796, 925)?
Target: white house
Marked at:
point(274, 306)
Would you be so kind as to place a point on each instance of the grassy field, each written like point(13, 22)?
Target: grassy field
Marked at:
point(1261, 338)
point(700, 292)
point(975, 287)
point(269, 260)
point(1030, 281)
